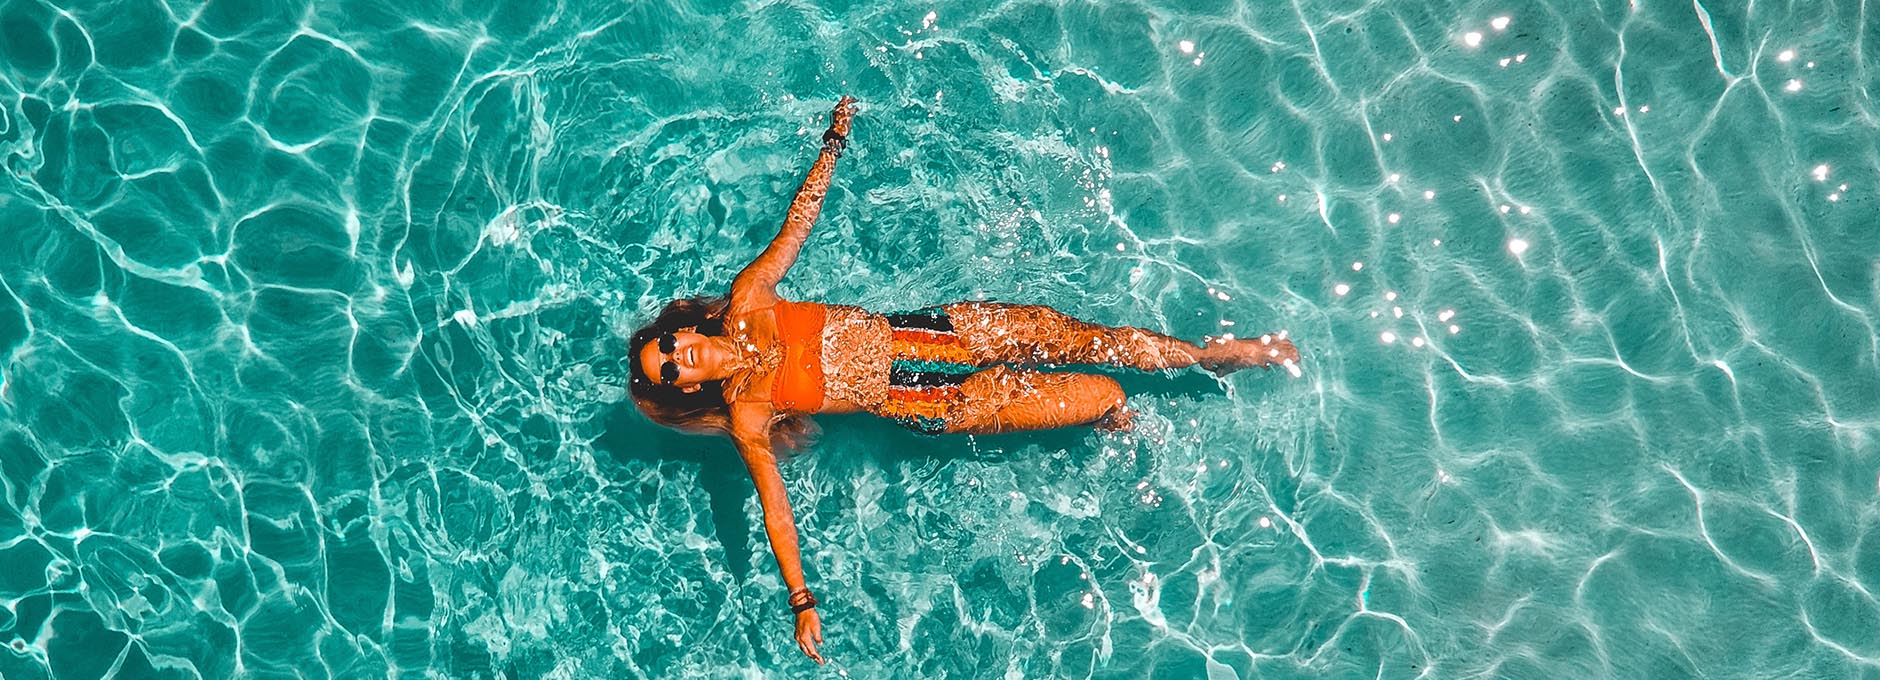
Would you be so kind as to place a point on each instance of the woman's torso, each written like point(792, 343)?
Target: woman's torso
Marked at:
point(839, 367)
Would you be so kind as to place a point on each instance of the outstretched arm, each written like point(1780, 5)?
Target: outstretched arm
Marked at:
point(750, 429)
point(758, 282)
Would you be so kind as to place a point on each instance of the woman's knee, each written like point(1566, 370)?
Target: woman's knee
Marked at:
point(1083, 398)
point(1106, 393)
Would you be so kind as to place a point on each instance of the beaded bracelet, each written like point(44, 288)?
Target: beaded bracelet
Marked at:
point(808, 603)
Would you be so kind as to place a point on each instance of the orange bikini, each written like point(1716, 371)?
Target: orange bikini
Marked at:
point(798, 387)
point(925, 366)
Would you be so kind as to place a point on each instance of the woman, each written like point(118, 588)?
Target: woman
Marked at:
point(754, 365)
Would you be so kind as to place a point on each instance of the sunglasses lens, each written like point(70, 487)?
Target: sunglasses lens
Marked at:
point(667, 343)
point(668, 372)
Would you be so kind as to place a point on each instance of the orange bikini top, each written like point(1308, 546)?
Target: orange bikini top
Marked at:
point(798, 385)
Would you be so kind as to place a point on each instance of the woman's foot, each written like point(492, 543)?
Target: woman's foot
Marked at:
point(1119, 419)
point(1226, 356)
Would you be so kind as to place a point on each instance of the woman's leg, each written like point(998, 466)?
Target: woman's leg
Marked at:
point(1002, 399)
point(1031, 335)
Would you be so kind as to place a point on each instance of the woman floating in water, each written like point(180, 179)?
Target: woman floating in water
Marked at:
point(754, 366)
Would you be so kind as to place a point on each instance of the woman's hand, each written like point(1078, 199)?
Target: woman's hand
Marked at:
point(809, 634)
point(839, 119)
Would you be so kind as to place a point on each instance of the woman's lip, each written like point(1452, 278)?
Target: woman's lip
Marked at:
point(691, 356)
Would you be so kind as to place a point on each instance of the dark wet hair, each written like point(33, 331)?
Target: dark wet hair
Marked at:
point(703, 410)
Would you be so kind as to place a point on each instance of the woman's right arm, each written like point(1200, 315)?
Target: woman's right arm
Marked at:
point(756, 286)
point(750, 428)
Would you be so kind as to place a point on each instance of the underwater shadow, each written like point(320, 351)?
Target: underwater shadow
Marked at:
point(883, 442)
point(629, 436)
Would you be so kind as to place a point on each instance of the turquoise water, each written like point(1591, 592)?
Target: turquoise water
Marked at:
point(313, 317)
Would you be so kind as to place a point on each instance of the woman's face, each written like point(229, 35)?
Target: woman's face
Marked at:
point(692, 359)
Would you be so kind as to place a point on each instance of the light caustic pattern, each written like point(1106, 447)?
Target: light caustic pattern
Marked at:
point(312, 318)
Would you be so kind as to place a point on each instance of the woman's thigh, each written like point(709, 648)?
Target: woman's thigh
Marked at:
point(997, 332)
point(1003, 399)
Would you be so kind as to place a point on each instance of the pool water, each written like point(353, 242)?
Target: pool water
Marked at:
point(313, 325)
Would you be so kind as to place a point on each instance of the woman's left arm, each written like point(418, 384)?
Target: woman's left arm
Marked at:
point(757, 284)
point(750, 429)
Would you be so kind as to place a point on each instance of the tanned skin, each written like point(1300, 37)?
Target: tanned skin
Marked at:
point(1001, 398)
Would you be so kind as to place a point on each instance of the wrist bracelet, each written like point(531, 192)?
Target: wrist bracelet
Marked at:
point(835, 142)
point(808, 603)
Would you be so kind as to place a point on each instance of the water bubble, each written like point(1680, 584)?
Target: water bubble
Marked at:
point(1517, 246)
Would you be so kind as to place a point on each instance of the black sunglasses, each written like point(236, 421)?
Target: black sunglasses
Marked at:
point(668, 371)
